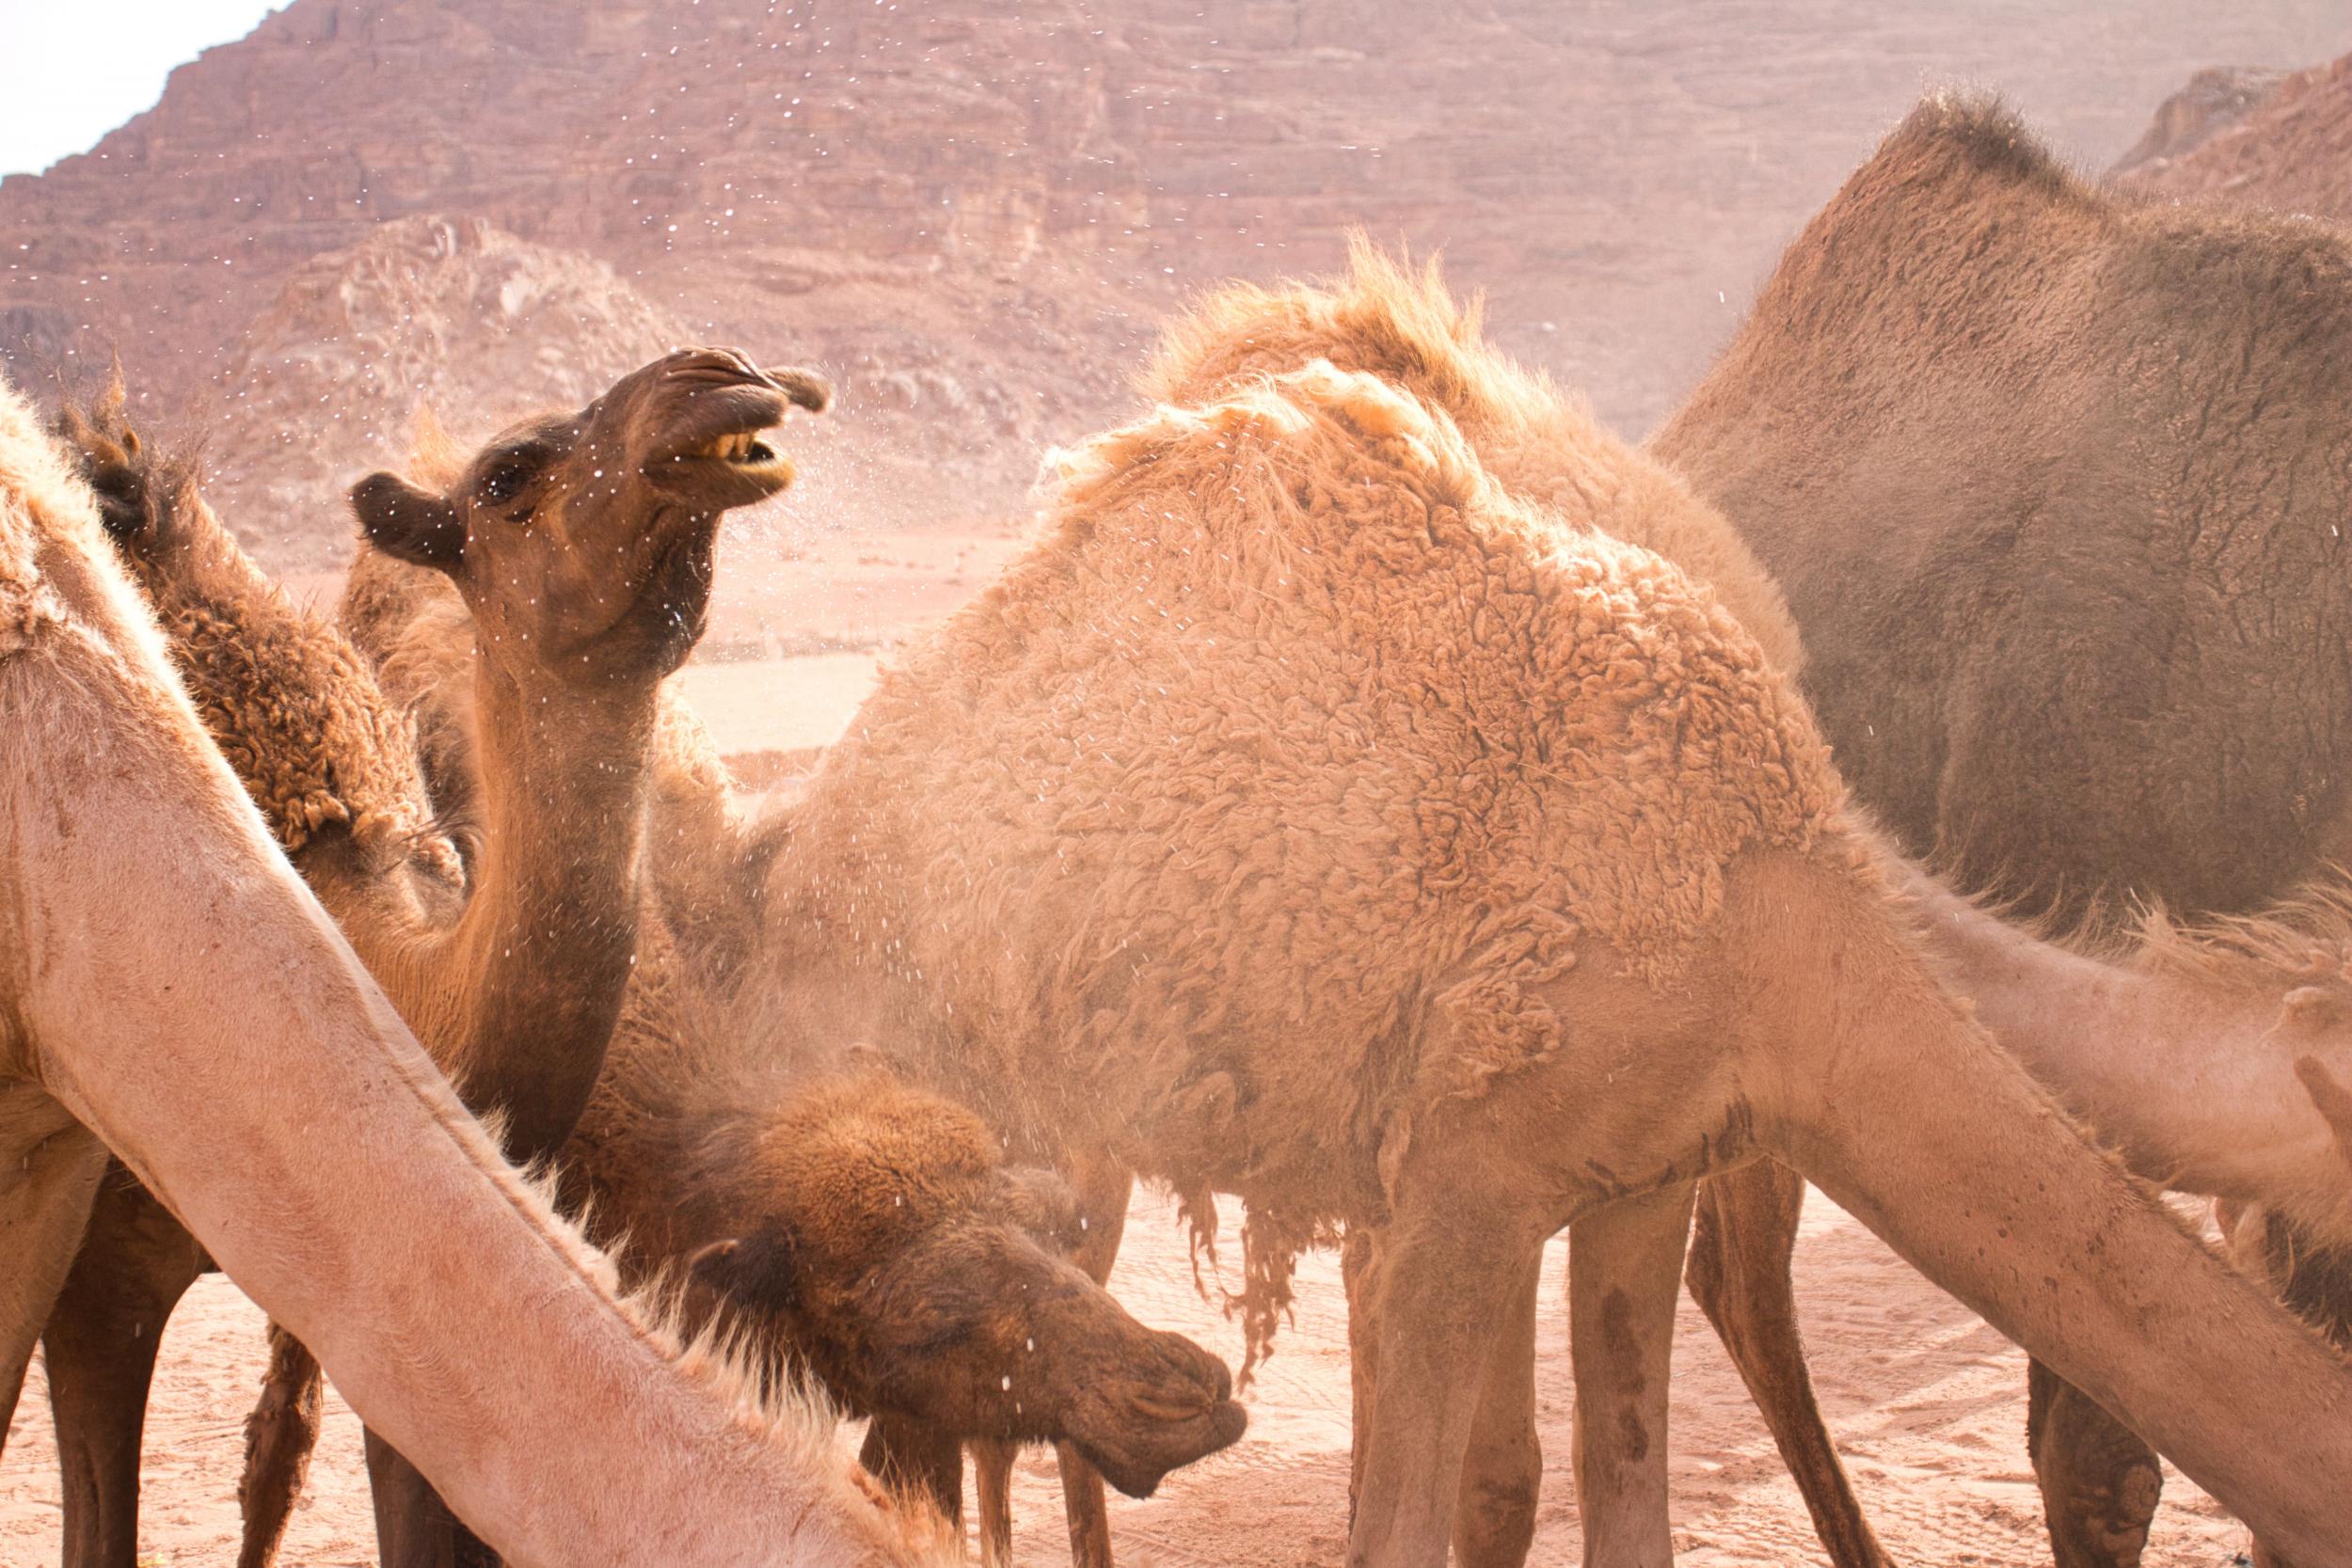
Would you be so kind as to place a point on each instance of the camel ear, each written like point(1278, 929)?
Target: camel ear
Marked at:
point(806, 387)
point(409, 524)
point(753, 1271)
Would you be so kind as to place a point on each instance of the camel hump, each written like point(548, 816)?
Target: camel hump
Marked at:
point(1316, 421)
point(1385, 314)
point(1972, 135)
point(142, 492)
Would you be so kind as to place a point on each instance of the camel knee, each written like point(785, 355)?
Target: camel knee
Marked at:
point(2099, 1482)
point(1494, 1523)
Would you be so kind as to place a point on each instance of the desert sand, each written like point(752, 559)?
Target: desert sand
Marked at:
point(1927, 1402)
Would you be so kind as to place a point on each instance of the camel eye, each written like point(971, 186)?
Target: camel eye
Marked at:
point(504, 482)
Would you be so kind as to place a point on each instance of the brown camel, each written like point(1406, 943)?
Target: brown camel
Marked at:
point(514, 981)
point(164, 968)
point(1349, 836)
point(2056, 480)
point(923, 1285)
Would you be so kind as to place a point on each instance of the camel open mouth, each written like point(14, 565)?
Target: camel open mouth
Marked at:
point(744, 449)
point(732, 468)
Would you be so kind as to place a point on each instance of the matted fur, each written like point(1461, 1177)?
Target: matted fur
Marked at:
point(1295, 741)
point(326, 748)
point(1387, 318)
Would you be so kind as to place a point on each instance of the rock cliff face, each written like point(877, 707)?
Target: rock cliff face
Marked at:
point(2287, 145)
point(449, 313)
point(972, 211)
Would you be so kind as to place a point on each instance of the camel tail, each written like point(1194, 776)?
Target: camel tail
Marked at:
point(279, 1436)
point(1901, 1108)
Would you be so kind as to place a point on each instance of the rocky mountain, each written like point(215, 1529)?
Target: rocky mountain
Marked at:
point(449, 313)
point(972, 212)
point(2280, 140)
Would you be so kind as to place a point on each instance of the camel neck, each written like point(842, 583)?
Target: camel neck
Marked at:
point(542, 953)
point(2188, 1075)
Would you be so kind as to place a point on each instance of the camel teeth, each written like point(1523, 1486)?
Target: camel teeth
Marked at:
point(728, 449)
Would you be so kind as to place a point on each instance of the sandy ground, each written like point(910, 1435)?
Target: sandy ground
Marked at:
point(1927, 1402)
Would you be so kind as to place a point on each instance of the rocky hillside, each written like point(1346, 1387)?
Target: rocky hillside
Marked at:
point(2277, 140)
point(971, 212)
point(448, 311)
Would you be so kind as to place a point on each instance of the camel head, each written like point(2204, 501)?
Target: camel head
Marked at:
point(916, 1273)
point(582, 542)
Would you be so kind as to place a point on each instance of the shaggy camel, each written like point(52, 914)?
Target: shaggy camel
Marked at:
point(2054, 479)
point(156, 985)
point(1538, 440)
point(514, 982)
point(862, 1229)
point(1553, 946)
point(1408, 330)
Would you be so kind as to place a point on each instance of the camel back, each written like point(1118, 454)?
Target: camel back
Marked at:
point(2056, 481)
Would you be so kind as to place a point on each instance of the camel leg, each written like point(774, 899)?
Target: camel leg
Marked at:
point(1103, 1189)
point(991, 1484)
point(50, 1168)
point(1625, 1277)
point(916, 1457)
point(1360, 1260)
point(413, 1528)
point(1503, 1472)
point(1739, 1275)
point(100, 1349)
point(1440, 1285)
point(2100, 1483)
point(279, 1436)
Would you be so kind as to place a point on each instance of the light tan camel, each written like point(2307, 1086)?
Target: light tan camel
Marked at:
point(1553, 945)
point(512, 978)
point(2056, 480)
point(156, 987)
point(1407, 329)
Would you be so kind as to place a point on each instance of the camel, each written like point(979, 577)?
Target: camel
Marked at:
point(512, 976)
point(2056, 502)
point(1538, 863)
point(163, 966)
point(1409, 329)
point(926, 1298)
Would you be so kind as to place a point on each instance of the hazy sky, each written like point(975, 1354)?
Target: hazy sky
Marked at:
point(70, 71)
